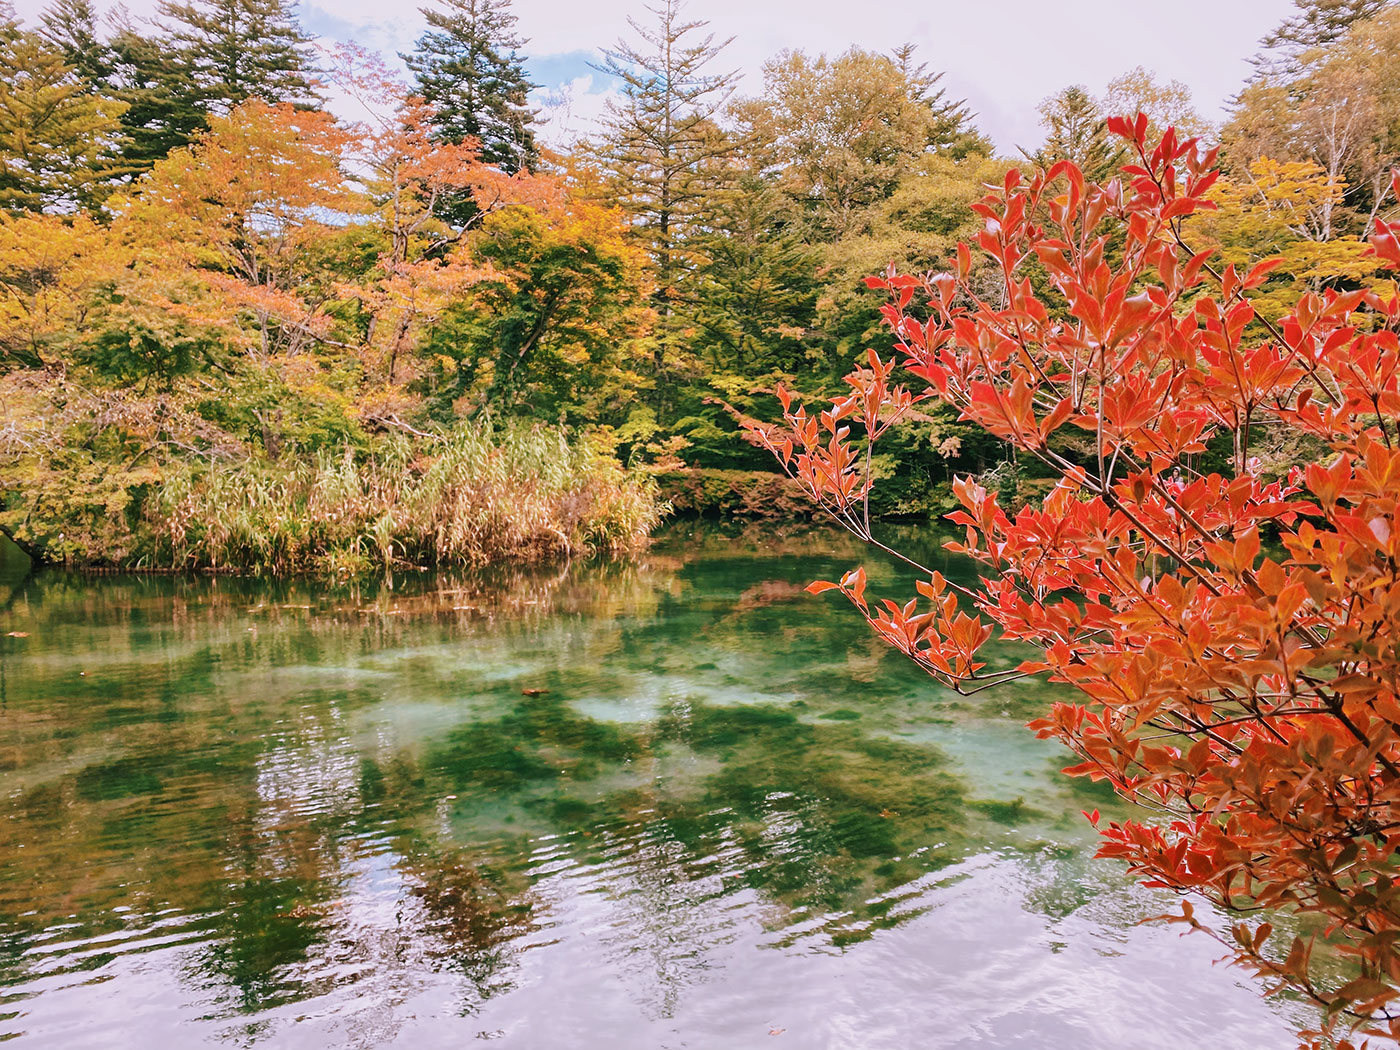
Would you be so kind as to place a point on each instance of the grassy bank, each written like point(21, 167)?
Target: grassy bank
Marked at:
point(466, 499)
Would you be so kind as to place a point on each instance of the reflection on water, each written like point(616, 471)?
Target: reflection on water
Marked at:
point(669, 803)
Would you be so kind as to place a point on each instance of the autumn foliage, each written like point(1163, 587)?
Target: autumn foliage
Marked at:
point(290, 300)
point(1234, 633)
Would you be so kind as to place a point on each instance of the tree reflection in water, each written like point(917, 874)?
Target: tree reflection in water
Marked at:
point(243, 804)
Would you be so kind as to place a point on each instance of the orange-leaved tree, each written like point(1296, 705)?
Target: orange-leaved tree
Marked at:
point(1235, 635)
point(222, 231)
point(426, 196)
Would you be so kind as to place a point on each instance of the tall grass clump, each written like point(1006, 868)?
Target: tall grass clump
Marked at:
point(479, 495)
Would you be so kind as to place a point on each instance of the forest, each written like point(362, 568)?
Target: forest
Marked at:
point(246, 328)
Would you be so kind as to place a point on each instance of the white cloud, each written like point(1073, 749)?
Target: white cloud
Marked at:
point(573, 109)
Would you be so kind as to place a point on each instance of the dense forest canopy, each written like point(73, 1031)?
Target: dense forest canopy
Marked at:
point(210, 272)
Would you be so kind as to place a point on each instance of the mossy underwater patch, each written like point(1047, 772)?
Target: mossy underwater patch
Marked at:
point(1014, 812)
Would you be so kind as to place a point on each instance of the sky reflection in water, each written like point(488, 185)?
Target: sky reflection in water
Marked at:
point(288, 815)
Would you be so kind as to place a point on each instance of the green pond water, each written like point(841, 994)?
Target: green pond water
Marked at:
point(287, 814)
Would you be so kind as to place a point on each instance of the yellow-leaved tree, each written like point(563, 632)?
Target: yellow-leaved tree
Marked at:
point(1284, 210)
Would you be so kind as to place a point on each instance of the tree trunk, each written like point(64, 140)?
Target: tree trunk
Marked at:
point(33, 553)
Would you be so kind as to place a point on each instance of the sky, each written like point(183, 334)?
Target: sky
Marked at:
point(1003, 56)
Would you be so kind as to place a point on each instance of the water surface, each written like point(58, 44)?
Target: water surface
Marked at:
point(669, 803)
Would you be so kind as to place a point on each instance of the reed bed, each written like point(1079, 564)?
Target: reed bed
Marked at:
point(525, 494)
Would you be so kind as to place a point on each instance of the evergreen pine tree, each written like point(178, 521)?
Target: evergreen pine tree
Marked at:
point(468, 69)
point(234, 50)
point(665, 156)
point(951, 129)
point(1317, 24)
point(164, 105)
point(758, 287)
point(163, 110)
point(1077, 131)
point(71, 26)
point(59, 141)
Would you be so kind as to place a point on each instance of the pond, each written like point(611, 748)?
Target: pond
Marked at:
point(673, 802)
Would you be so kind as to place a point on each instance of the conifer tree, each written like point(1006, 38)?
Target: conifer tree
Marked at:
point(665, 154)
point(59, 141)
point(950, 129)
point(1317, 24)
point(234, 50)
point(164, 107)
point(1077, 131)
point(468, 68)
point(71, 26)
point(759, 289)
